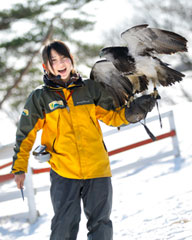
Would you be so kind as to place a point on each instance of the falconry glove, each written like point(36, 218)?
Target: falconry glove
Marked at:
point(139, 108)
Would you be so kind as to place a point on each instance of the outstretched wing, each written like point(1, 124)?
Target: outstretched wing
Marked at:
point(142, 39)
point(119, 87)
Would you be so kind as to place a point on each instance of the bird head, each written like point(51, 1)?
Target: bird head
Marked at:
point(105, 51)
point(113, 52)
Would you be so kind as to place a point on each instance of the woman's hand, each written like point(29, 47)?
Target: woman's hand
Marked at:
point(19, 179)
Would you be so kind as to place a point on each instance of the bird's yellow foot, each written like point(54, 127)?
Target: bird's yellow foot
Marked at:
point(130, 101)
point(155, 94)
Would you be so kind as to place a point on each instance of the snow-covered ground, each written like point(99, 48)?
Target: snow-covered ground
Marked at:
point(152, 202)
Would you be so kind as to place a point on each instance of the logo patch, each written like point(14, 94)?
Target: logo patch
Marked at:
point(56, 104)
point(25, 112)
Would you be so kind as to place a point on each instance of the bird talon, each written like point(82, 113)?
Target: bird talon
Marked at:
point(155, 94)
point(130, 101)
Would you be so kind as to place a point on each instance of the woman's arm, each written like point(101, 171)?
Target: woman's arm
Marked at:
point(32, 120)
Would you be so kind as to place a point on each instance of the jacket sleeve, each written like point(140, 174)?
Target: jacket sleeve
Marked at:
point(32, 120)
point(105, 108)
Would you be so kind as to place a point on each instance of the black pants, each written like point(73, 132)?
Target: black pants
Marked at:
point(66, 195)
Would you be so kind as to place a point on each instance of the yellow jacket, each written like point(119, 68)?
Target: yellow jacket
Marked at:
point(71, 131)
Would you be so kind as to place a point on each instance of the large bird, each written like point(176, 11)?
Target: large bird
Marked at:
point(138, 62)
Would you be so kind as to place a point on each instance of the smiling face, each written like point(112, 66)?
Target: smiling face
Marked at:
point(57, 60)
point(61, 65)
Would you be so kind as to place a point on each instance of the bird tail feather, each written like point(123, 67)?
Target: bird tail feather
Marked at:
point(170, 76)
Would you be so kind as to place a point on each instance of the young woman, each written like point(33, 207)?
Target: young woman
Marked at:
point(67, 109)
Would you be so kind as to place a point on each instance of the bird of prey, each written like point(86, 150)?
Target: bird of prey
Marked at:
point(138, 62)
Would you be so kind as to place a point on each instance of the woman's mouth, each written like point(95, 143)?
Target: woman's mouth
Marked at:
point(62, 71)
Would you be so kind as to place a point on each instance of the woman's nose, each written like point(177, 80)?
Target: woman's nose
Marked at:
point(63, 60)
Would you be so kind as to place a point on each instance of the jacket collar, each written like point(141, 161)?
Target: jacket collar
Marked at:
point(56, 83)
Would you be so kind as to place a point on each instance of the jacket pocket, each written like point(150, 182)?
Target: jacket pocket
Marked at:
point(53, 146)
point(54, 141)
point(95, 126)
point(104, 146)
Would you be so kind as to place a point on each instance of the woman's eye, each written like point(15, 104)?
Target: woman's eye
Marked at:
point(54, 61)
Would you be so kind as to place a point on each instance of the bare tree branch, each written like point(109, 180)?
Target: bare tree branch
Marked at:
point(27, 67)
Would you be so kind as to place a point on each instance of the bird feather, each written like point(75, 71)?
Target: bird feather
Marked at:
point(118, 86)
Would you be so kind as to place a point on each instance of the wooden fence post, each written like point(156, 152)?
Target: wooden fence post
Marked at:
point(175, 141)
point(33, 214)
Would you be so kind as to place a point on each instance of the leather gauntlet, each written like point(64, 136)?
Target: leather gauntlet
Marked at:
point(139, 108)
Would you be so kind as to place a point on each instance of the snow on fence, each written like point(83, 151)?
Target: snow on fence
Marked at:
point(7, 151)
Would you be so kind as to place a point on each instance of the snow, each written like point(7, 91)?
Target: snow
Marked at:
point(152, 202)
point(157, 203)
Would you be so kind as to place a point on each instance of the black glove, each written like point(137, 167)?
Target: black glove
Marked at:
point(139, 108)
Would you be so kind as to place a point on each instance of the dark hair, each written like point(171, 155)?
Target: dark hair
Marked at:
point(60, 47)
